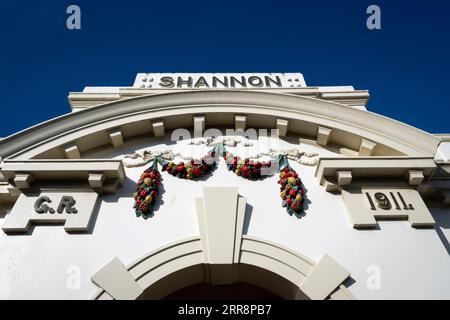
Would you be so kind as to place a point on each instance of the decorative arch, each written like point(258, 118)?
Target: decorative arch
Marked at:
point(324, 116)
point(222, 255)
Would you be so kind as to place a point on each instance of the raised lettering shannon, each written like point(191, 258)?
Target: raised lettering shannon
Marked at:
point(269, 80)
point(201, 82)
point(167, 82)
point(187, 82)
point(221, 82)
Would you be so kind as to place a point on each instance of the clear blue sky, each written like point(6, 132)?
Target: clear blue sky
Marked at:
point(405, 65)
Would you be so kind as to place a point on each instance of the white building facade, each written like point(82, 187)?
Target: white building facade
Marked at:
point(79, 219)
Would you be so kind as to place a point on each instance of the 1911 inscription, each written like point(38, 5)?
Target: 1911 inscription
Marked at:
point(366, 203)
point(385, 203)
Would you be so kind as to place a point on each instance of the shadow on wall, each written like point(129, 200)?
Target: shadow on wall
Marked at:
point(129, 188)
point(247, 218)
point(442, 218)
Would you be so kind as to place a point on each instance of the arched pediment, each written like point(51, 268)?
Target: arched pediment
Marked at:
point(263, 109)
point(222, 255)
point(86, 158)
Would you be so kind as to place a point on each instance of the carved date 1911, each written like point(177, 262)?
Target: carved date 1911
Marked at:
point(383, 202)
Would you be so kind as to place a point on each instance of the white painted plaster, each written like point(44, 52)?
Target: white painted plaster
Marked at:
point(443, 152)
point(414, 264)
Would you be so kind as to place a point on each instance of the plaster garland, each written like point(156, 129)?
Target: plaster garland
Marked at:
point(291, 191)
point(292, 154)
point(140, 159)
point(226, 141)
point(302, 157)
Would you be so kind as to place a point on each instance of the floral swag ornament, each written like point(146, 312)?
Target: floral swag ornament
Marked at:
point(147, 190)
point(292, 191)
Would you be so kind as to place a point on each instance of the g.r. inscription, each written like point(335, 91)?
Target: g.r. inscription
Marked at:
point(66, 202)
point(72, 208)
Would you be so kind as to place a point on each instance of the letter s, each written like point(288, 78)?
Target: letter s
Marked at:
point(167, 82)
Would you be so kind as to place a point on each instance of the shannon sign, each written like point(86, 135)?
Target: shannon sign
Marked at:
point(218, 80)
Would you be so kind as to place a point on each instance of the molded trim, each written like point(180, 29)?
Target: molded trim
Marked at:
point(62, 130)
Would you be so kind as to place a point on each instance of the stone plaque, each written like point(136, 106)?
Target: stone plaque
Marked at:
point(367, 204)
point(73, 209)
point(218, 80)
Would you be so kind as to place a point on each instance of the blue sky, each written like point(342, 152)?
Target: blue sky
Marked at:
point(405, 65)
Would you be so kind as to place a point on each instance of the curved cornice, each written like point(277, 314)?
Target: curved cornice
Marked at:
point(397, 135)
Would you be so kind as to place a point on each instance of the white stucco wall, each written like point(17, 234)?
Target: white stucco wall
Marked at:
point(443, 152)
point(413, 263)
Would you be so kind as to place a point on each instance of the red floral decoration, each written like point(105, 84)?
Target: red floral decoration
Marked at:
point(292, 192)
point(193, 169)
point(147, 191)
point(247, 169)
